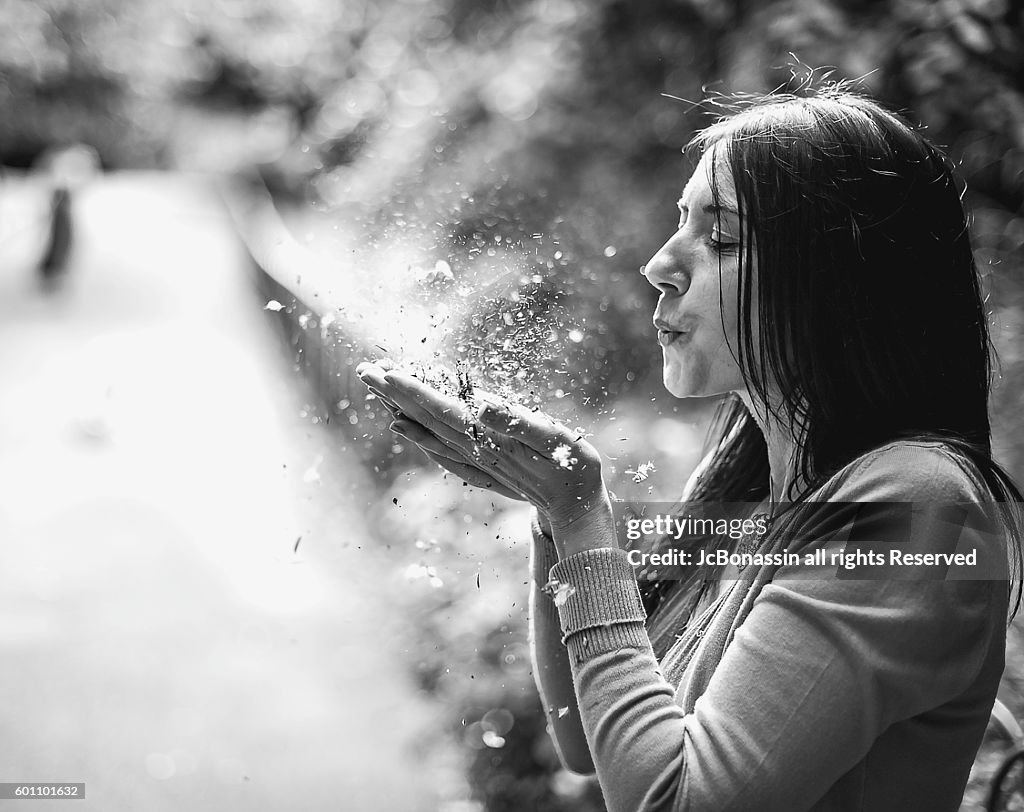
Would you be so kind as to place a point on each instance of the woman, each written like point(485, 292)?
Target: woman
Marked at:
point(821, 280)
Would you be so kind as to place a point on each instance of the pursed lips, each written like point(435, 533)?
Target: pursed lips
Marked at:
point(667, 333)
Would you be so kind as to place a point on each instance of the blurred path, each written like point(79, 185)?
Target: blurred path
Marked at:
point(162, 640)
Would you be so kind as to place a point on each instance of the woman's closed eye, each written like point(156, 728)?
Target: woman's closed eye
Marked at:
point(722, 242)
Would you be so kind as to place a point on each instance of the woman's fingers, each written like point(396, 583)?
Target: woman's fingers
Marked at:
point(500, 446)
point(427, 441)
point(386, 402)
point(405, 390)
point(369, 373)
point(438, 450)
point(497, 456)
point(474, 476)
point(420, 409)
point(508, 442)
point(433, 409)
point(448, 418)
point(399, 386)
point(464, 442)
point(533, 429)
point(381, 396)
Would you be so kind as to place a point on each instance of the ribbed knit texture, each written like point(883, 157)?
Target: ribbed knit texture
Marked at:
point(604, 611)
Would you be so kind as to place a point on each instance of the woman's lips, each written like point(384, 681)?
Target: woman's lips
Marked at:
point(669, 337)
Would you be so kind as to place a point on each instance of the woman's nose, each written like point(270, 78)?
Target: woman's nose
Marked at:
point(665, 272)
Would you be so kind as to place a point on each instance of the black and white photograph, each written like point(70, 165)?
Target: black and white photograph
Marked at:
point(511, 405)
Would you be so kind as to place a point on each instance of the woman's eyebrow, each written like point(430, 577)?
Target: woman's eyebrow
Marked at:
point(710, 208)
point(713, 208)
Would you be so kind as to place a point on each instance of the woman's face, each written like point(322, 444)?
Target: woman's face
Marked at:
point(696, 272)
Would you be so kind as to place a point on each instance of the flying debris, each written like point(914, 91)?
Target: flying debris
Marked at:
point(440, 275)
point(558, 591)
point(563, 456)
point(643, 471)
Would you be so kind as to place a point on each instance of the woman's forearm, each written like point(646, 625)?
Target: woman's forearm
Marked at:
point(551, 669)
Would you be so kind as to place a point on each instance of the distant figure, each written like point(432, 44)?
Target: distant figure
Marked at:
point(69, 168)
point(54, 263)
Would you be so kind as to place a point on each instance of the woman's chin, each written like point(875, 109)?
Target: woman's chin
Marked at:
point(679, 386)
point(687, 386)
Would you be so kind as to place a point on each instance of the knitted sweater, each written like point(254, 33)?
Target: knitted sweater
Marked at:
point(794, 690)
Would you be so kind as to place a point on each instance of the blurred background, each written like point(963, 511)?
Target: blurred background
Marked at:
point(222, 584)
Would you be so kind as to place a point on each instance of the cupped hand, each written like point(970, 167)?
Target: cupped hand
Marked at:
point(501, 446)
point(447, 455)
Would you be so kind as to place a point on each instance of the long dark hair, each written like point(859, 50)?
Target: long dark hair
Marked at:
point(870, 315)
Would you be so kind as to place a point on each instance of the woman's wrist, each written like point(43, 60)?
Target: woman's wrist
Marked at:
point(591, 528)
point(543, 522)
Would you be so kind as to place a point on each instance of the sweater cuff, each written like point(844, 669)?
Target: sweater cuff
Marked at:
point(602, 611)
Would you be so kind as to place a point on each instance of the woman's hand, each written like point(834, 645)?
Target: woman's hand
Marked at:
point(504, 447)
